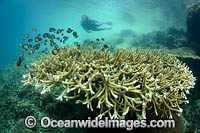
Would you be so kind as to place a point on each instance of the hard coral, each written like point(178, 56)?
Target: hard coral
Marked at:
point(119, 83)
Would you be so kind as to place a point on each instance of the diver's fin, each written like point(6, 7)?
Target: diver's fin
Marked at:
point(109, 28)
point(109, 23)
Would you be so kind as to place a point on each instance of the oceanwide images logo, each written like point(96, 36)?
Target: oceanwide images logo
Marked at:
point(46, 122)
point(96, 123)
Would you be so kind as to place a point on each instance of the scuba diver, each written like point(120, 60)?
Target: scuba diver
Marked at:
point(90, 25)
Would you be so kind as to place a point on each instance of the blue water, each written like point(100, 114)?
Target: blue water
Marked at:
point(132, 19)
point(18, 17)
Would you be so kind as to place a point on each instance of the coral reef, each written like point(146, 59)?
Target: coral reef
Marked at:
point(194, 65)
point(119, 83)
point(193, 27)
point(170, 38)
point(8, 77)
point(193, 20)
point(19, 101)
point(192, 116)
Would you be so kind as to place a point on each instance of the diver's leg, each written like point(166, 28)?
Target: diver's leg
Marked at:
point(101, 23)
point(100, 29)
point(108, 23)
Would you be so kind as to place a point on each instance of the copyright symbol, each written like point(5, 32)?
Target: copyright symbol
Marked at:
point(30, 122)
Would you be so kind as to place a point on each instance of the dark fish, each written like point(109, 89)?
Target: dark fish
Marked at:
point(23, 50)
point(54, 51)
point(94, 46)
point(45, 35)
point(102, 49)
point(36, 47)
point(45, 40)
point(78, 46)
point(59, 31)
point(25, 46)
point(61, 41)
point(69, 30)
point(65, 38)
point(30, 40)
point(20, 45)
point(45, 43)
point(21, 57)
point(52, 29)
point(75, 43)
point(58, 38)
point(18, 63)
point(39, 35)
point(34, 29)
point(30, 52)
point(52, 43)
point(56, 47)
point(38, 44)
point(102, 39)
point(62, 34)
point(37, 39)
point(52, 36)
point(105, 46)
point(25, 37)
point(75, 34)
point(97, 39)
point(25, 66)
point(43, 51)
point(30, 46)
point(90, 43)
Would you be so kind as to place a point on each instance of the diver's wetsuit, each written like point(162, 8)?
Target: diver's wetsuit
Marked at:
point(92, 25)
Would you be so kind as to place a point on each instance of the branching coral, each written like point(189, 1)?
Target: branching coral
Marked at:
point(115, 83)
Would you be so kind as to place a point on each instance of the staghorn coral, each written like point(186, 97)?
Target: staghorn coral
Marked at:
point(119, 83)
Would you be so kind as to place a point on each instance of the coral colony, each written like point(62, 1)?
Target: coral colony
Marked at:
point(115, 83)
